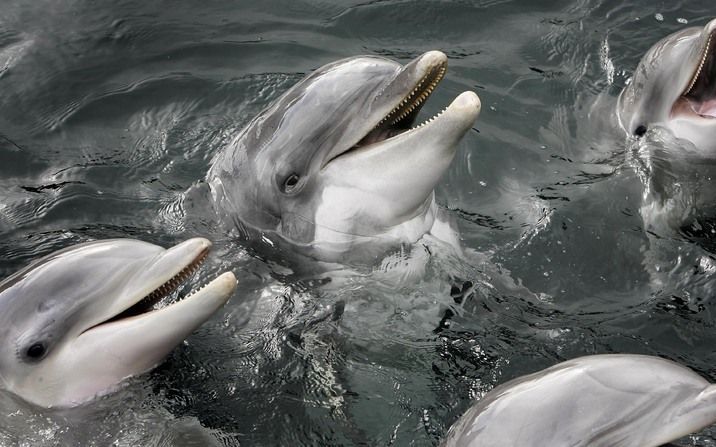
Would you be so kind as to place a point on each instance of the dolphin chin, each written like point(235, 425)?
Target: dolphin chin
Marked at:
point(78, 322)
point(602, 400)
point(340, 163)
point(674, 86)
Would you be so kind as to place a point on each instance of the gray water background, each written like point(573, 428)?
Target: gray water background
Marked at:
point(111, 110)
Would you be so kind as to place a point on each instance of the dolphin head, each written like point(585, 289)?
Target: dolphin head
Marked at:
point(338, 156)
point(675, 86)
point(77, 322)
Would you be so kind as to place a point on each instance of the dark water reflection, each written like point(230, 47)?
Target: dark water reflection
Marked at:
point(112, 110)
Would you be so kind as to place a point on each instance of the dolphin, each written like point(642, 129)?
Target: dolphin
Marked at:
point(607, 400)
point(76, 323)
point(672, 95)
point(338, 162)
point(674, 86)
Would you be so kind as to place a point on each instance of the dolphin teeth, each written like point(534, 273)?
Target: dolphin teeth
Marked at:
point(416, 97)
point(147, 303)
point(704, 56)
point(407, 106)
point(430, 120)
point(195, 291)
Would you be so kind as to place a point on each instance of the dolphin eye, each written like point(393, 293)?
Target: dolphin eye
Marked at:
point(36, 351)
point(290, 183)
point(640, 131)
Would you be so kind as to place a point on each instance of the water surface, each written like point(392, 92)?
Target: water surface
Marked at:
point(111, 110)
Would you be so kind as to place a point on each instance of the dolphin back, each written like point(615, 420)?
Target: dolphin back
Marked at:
point(604, 400)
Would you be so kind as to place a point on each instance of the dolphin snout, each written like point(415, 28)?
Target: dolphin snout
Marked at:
point(431, 60)
point(468, 101)
point(711, 26)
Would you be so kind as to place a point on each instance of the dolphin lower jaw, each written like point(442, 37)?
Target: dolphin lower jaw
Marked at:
point(396, 178)
point(137, 344)
point(431, 141)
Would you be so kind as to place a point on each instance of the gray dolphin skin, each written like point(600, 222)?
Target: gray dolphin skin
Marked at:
point(337, 160)
point(674, 86)
point(673, 91)
point(602, 400)
point(77, 322)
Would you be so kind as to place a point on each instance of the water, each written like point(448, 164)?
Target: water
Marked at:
point(112, 110)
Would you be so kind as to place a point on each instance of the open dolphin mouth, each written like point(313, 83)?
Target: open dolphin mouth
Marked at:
point(699, 97)
point(150, 302)
point(402, 117)
point(94, 314)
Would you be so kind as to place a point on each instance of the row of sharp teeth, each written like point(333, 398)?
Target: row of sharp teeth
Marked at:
point(425, 93)
point(178, 279)
point(701, 65)
point(431, 119)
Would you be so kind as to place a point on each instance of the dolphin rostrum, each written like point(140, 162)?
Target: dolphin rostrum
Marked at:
point(611, 400)
point(77, 322)
point(674, 86)
point(336, 162)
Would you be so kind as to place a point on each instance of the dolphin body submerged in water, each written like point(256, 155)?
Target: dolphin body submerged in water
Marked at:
point(77, 322)
point(335, 165)
point(602, 400)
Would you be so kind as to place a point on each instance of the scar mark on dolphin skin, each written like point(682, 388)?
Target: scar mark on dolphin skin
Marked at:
point(39, 189)
point(12, 143)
